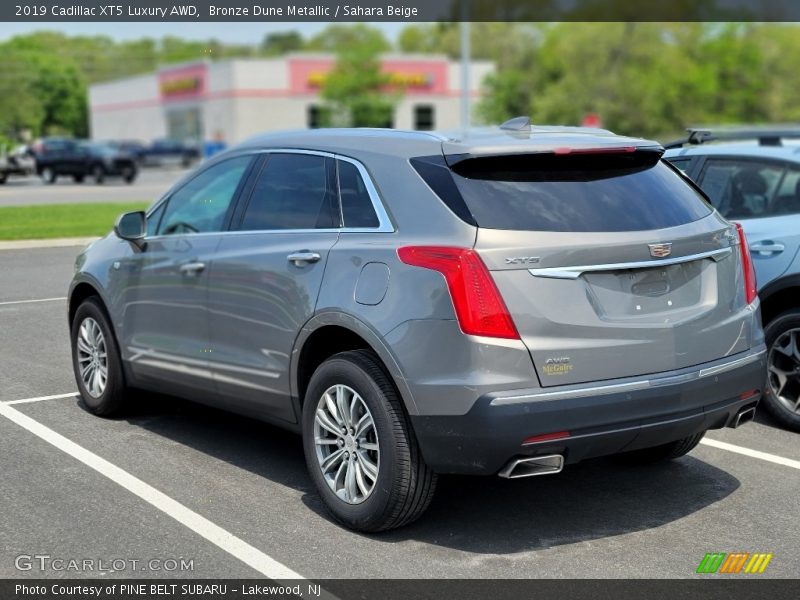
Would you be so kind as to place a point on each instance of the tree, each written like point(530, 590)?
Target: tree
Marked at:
point(277, 44)
point(356, 89)
point(341, 38)
point(42, 90)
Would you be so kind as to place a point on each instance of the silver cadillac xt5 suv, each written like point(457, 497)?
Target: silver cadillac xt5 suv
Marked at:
point(501, 303)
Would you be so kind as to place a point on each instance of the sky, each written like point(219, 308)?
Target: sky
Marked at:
point(250, 33)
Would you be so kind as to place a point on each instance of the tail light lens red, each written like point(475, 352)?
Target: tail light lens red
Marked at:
point(479, 308)
point(750, 287)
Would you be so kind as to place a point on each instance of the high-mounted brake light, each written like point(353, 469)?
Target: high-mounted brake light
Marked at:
point(480, 309)
point(750, 287)
point(610, 150)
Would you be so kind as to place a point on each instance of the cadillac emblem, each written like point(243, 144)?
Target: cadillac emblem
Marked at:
point(660, 250)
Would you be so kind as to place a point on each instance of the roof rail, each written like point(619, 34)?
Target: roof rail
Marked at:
point(767, 135)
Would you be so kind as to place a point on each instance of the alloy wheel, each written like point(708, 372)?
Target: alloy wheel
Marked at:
point(346, 443)
point(783, 364)
point(92, 357)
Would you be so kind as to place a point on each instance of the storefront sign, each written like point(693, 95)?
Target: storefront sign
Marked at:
point(183, 83)
point(307, 76)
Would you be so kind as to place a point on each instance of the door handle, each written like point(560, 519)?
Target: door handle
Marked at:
point(301, 259)
point(767, 248)
point(192, 268)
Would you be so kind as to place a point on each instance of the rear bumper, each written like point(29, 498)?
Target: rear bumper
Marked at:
point(607, 418)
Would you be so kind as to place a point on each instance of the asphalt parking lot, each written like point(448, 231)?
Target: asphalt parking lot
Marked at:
point(149, 185)
point(176, 481)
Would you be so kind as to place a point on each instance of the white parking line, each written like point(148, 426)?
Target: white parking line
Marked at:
point(40, 398)
point(31, 301)
point(773, 458)
point(236, 547)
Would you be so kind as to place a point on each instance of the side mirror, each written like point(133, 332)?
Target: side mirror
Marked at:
point(132, 227)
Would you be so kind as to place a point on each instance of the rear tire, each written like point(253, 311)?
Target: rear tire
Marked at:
point(403, 485)
point(48, 175)
point(95, 354)
point(77, 178)
point(663, 453)
point(128, 174)
point(782, 388)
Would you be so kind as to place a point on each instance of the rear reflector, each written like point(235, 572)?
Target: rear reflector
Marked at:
point(750, 288)
point(546, 437)
point(749, 394)
point(480, 309)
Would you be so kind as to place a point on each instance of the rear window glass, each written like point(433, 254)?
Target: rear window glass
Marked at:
point(546, 192)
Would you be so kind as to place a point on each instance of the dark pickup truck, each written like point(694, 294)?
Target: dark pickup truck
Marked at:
point(80, 159)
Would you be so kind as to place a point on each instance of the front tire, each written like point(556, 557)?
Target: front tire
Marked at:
point(360, 449)
point(96, 361)
point(663, 453)
point(782, 390)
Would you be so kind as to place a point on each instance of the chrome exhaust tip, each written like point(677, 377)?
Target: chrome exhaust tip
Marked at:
point(532, 466)
point(744, 416)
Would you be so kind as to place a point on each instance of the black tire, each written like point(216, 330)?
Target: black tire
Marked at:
point(405, 484)
point(3, 178)
point(112, 400)
point(48, 175)
point(99, 174)
point(77, 178)
point(663, 453)
point(775, 329)
point(129, 174)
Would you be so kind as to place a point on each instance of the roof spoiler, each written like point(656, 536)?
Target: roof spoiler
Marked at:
point(766, 135)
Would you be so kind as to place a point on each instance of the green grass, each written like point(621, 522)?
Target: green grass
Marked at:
point(61, 220)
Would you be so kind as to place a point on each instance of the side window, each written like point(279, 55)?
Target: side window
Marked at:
point(741, 189)
point(357, 209)
point(680, 163)
point(292, 192)
point(787, 201)
point(200, 205)
point(154, 218)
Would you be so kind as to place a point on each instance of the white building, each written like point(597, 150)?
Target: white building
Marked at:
point(234, 99)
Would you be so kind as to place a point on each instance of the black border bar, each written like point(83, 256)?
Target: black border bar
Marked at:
point(399, 10)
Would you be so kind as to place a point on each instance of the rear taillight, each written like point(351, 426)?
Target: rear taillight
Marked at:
point(480, 309)
point(750, 288)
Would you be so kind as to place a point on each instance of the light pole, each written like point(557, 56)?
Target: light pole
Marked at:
point(465, 59)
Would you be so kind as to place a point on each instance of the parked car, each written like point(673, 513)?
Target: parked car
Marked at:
point(751, 177)
point(504, 303)
point(134, 148)
point(170, 151)
point(18, 161)
point(79, 159)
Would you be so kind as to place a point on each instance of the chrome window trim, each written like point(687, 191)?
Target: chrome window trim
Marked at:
point(628, 386)
point(384, 222)
point(576, 271)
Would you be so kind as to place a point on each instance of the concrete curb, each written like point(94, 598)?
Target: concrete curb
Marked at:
point(52, 243)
